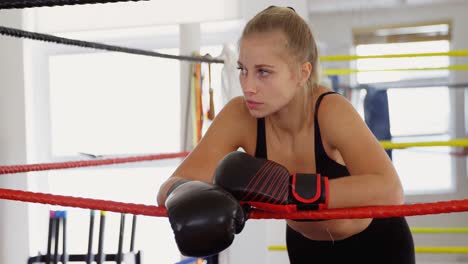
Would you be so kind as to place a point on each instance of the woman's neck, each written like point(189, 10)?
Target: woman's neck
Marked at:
point(295, 116)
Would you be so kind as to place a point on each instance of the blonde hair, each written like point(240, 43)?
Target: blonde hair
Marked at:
point(300, 41)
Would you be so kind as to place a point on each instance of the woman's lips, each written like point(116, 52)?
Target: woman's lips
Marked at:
point(253, 104)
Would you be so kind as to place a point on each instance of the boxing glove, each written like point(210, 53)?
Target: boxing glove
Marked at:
point(267, 185)
point(203, 217)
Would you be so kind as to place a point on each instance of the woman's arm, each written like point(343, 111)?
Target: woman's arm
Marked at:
point(373, 180)
point(225, 134)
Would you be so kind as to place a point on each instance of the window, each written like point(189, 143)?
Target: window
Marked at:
point(408, 119)
point(115, 104)
point(418, 110)
point(396, 63)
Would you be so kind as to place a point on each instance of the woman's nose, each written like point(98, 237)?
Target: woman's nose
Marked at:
point(248, 85)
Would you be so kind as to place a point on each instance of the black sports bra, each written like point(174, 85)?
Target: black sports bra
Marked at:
point(325, 166)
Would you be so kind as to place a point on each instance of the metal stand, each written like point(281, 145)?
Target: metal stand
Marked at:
point(59, 218)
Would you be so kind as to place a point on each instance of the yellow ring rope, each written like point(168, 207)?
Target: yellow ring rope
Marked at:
point(442, 250)
point(277, 248)
point(462, 67)
point(439, 230)
point(453, 53)
point(433, 250)
point(460, 142)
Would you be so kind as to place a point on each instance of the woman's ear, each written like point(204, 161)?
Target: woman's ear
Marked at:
point(306, 71)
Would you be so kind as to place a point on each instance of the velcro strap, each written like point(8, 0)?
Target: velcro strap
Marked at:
point(308, 191)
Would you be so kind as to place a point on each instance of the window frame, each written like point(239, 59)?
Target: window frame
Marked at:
point(383, 34)
point(413, 83)
point(145, 39)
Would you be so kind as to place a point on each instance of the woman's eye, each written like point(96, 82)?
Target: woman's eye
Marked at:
point(263, 72)
point(243, 71)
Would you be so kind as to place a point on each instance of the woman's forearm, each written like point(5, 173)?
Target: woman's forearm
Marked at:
point(365, 190)
point(353, 191)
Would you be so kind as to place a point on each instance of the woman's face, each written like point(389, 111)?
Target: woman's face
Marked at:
point(267, 81)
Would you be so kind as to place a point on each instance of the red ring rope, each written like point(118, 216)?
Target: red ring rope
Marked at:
point(86, 163)
point(149, 210)
point(11, 169)
point(86, 203)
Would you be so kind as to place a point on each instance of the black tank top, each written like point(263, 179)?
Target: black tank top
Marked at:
point(325, 166)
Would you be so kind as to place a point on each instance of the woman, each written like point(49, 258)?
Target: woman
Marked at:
point(285, 116)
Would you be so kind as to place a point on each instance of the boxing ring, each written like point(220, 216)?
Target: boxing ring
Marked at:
point(439, 207)
point(416, 209)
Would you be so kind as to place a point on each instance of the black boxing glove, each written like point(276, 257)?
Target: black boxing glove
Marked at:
point(204, 217)
point(268, 186)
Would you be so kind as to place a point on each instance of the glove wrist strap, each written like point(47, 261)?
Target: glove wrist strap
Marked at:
point(309, 191)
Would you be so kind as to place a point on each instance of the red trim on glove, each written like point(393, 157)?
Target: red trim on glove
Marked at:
point(304, 200)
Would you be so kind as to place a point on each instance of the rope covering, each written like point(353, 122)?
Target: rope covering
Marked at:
point(461, 67)
point(460, 142)
point(9, 4)
point(439, 230)
point(431, 250)
point(148, 210)
point(86, 163)
point(442, 250)
point(86, 203)
point(372, 211)
point(12, 32)
point(421, 85)
point(453, 53)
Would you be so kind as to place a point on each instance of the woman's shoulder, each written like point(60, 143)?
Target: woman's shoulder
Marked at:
point(237, 102)
point(335, 113)
point(334, 110)
point(322, 90)
point(332, 99)
point(236, 108)
point(235, 113)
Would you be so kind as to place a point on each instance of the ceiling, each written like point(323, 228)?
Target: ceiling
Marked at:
point(323, 6)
